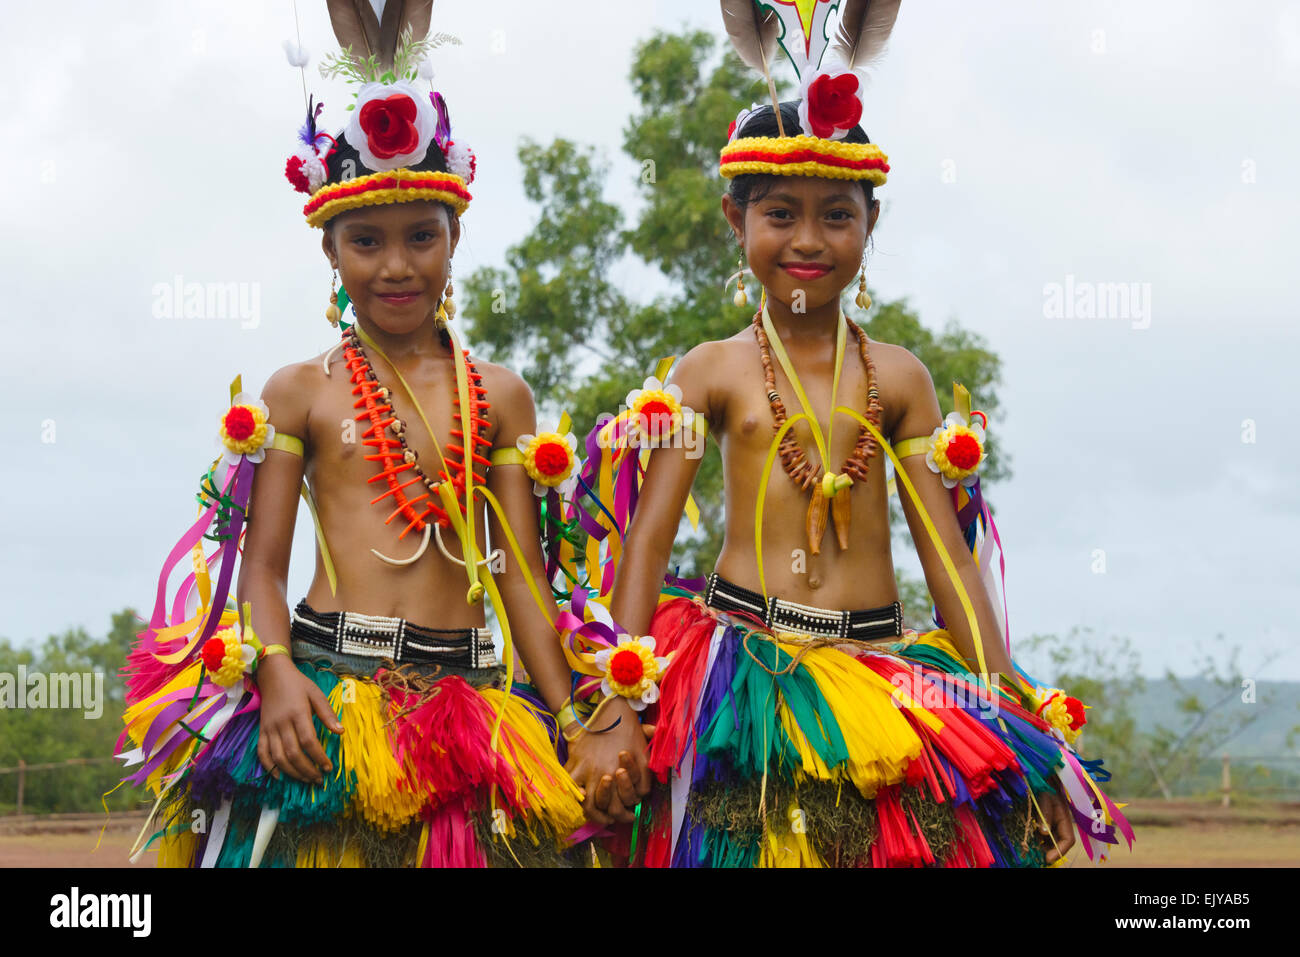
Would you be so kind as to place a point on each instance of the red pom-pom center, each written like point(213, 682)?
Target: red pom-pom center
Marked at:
point(1074, 707)
point(963, 451)
point(552, 458)
point(658, 416)
point(626, 667)
point(240, 423)
point(214, 652)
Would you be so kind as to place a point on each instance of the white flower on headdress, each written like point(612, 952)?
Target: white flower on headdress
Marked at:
point(391, 126)
point(461, 161)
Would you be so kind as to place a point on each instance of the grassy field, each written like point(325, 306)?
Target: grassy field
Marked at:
point(1169, 834)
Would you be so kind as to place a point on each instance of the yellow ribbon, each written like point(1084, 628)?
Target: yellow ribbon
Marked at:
point(841, 334)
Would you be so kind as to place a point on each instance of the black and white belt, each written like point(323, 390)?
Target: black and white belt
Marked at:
point(865, 625)
point(374, 636)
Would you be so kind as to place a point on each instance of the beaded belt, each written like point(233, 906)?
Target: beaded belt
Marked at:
point(373, 636)
point(865, 625)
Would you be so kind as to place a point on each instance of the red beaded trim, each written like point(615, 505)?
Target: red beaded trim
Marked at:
point(395, 456)
point(803, 156)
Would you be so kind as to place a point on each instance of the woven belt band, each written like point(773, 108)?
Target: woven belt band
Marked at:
point(780, 615)
point(373, 636)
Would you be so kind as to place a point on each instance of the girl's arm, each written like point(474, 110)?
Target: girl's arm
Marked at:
point(287, 741)
point(610, 767)
point(669, 476)
point(921, 417)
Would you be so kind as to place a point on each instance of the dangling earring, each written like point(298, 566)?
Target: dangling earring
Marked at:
point(332, 313)
point(449, 304)
point(863, 300)
point(740, 299)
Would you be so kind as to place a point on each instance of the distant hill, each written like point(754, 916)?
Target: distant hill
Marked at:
point(1277, 706)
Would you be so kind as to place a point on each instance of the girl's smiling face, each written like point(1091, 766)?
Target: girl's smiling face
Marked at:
point(394, 260)
point(806, 235)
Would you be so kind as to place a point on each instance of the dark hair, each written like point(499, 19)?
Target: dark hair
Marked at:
point(751, 187)
point(434, 162)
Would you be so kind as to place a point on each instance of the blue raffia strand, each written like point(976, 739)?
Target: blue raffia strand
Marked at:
point(573, 702)
point(1095, 770)
point(599, 504)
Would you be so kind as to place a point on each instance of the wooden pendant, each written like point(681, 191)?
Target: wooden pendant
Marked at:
point(841, 516)
point(815, 523)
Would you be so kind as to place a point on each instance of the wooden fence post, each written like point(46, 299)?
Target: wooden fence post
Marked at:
point(1227, 783)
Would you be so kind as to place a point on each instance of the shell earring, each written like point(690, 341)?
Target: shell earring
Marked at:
point(448, 303)
point(863, 300)
point(740, 299)
point(333, 314)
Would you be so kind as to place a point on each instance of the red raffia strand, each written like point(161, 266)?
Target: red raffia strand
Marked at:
point(394, 456)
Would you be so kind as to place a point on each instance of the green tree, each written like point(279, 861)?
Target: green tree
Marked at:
point(48, 735)
point(582, 343)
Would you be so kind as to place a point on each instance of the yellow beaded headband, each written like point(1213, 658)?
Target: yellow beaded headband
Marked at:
point(830, 104)
point(395, 186)
point(804, 156)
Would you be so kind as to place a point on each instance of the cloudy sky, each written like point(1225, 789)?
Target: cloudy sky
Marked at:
point(1041, 155)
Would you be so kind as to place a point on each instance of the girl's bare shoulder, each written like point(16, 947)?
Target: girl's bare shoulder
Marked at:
point(292, 390)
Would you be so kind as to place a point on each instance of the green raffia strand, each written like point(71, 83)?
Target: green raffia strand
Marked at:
point(303, 803)
point(753, 740)
point(208, 495)
point(636, 827)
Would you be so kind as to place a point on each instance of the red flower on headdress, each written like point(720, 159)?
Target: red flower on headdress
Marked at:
point(833, 104)
point(294, 174)
point(389, 125)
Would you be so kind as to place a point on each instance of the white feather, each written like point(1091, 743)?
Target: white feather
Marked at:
point(295, 54)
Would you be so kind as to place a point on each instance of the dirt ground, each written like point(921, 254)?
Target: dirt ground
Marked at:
point(1169, 834)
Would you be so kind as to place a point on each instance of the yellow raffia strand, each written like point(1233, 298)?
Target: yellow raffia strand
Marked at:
point(962, 595)
point(320, 854)
point(140, 716)
point(762, 494)
point(177, 848)
point(880, 741)
point(366, 751)
point(785, 843)
point(283, 442)
point(541, 784)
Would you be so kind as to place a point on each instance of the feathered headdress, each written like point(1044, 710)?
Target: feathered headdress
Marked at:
point(397, 145)
point(830, 89)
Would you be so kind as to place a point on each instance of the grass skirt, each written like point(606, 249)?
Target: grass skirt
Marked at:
point(810, 753)
point(417, 779)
